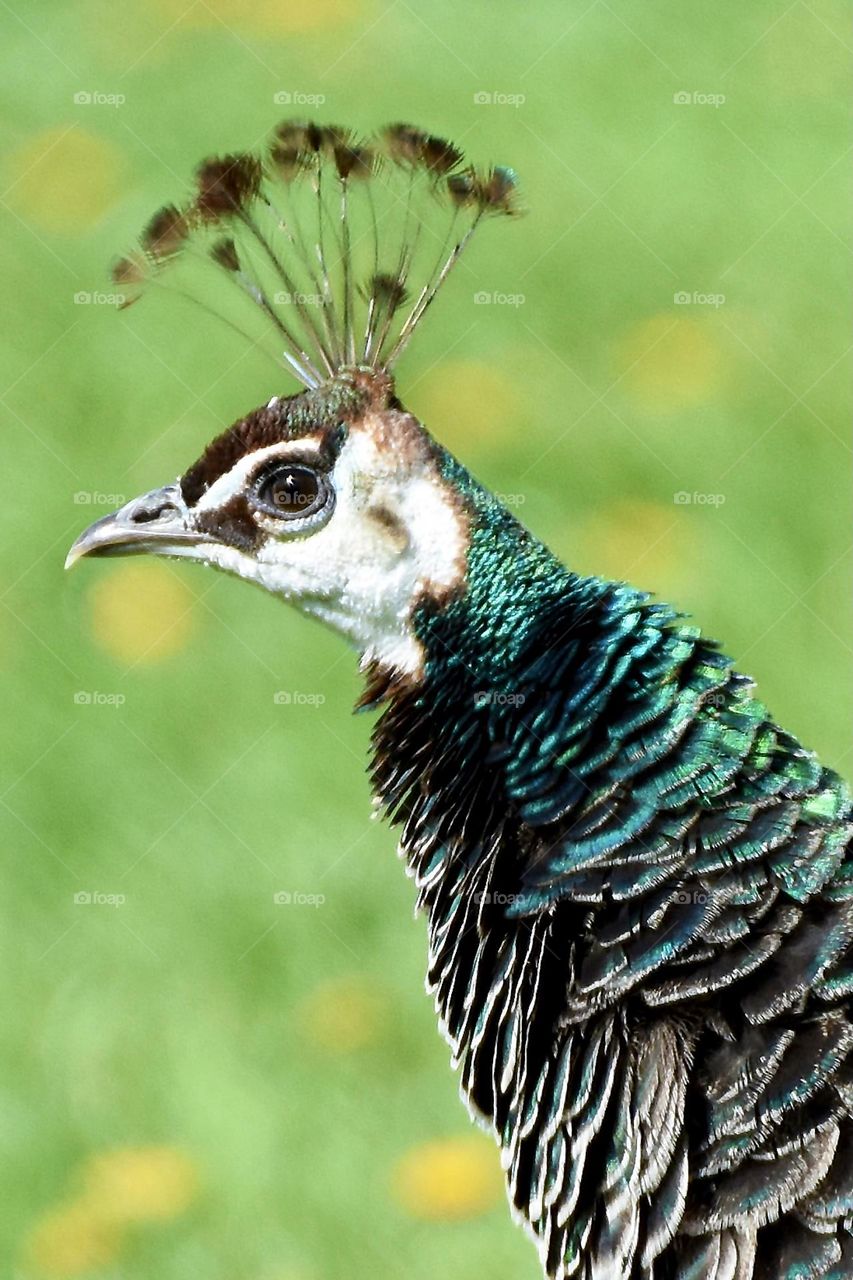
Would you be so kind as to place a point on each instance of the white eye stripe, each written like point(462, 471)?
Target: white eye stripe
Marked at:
point(241, 475)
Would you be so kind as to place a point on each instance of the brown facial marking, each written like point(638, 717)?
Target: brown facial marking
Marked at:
point(263, 427)
point(399, 435)
point(391, 525)
point(382, 685)
point(232, 524)
point(321, 413)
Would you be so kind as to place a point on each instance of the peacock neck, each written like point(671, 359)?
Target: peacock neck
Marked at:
point(517, 600)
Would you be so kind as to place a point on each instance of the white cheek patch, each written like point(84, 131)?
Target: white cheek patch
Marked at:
point(382, 567)
point(396, 536)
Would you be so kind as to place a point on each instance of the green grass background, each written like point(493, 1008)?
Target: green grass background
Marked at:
point(182, 1019)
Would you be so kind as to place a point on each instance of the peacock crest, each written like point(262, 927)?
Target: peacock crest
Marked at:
point(342, 242)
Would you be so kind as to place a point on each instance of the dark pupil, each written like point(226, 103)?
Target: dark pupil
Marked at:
point(293, 490)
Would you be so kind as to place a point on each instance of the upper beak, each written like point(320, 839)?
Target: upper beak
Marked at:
point(157, 523)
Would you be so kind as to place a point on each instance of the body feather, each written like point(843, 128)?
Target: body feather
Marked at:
point(638, 886)
point(637, 890)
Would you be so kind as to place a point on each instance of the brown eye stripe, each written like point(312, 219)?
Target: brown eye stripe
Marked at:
point(232, 523)
point(322, 415)
point(244, 438)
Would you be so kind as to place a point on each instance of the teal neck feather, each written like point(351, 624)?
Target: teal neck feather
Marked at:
point(514, 585)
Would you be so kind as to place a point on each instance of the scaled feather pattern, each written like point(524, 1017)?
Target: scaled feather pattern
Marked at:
point(639, 888)
point(640, 901)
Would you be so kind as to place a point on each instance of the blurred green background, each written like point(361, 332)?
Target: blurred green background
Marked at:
point(197, 1080)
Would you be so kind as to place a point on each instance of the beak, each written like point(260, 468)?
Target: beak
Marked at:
point(157, 523)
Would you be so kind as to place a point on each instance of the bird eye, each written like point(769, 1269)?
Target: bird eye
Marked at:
point(293, 492)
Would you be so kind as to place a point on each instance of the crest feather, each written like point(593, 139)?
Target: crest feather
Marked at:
point(330, 235)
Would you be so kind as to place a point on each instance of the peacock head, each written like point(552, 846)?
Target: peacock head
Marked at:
point(332, 499)
point(336, 498)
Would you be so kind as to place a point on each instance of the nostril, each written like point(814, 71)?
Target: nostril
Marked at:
point(153, 508)
point(144, 515)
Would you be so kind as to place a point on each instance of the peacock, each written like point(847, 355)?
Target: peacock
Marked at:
point(638, 887)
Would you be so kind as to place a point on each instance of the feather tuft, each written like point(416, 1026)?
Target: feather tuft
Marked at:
point(224, 252)
point(130, 270)
point(165, 233)
point(227, 185)
point(440, 156)
point(388, 290)
point(497, 191)
point(329, 235)
point(407, 145)
point(404, 143)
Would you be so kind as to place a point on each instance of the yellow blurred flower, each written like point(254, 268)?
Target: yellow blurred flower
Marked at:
point(449, 1178)
point(263, 17)
point(668, 362)
point(64, 179)
point(126, 1187)
point(71, 1239)
point(647, 544)
point(141, 1184)
point(466, 400)
point(141, 612)
point(342, 1015)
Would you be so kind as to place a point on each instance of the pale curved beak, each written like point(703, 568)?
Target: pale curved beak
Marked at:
point(156, 523)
